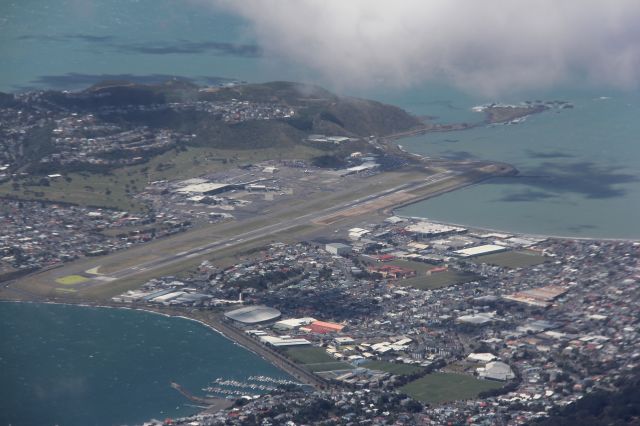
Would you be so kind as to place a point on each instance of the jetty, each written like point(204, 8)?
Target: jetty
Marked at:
point(212, 403)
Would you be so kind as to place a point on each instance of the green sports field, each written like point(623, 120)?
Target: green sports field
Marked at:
point(316, 359)
point(443, 387)
point(393, 368)
point(71, 279)
point(512, 259)
point(438, 280)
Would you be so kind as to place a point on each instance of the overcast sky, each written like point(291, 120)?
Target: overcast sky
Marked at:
point(483, 46)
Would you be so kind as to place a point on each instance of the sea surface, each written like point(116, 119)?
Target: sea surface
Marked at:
point(579, 171)
point(72, 365)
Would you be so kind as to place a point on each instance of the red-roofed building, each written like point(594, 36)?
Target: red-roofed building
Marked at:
point(385, 258)
point(391, 271)
point(322, 327)
point(437, 269)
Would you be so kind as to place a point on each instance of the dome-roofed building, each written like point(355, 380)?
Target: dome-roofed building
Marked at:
point(255, 314)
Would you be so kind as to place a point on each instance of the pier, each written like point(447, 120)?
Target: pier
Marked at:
point(212, 403)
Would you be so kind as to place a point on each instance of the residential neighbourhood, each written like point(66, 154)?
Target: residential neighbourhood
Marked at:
point(535, 325)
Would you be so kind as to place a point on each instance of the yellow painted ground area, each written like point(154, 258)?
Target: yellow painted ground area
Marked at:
point(93, 271)
point(71, 280)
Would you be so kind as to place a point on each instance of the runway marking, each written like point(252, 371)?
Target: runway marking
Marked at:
point(105, 278)
point(93, 271)
point(380, 203)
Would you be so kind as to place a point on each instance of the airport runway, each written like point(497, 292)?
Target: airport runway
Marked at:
point(167, 254)
point(273, 228)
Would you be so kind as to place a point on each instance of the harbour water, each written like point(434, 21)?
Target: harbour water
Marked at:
point(71, 44)
point(579, 171)
point(72, 365)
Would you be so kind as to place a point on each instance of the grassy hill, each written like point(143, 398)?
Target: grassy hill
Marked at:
point(317, 111)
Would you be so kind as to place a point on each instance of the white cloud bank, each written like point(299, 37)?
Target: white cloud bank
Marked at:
point(484, 46)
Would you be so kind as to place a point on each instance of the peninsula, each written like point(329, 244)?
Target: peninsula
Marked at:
point(266, 212)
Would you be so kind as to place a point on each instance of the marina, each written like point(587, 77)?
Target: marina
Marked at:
point(229, 388)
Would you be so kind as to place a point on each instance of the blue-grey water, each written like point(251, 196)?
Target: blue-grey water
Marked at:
point(580, 177)
point(71, 365)
point(69, 44)
point(580, 171)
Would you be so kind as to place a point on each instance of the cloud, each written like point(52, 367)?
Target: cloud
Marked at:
point(487, 47)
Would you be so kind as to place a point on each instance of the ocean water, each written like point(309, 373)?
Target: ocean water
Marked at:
point(579, 171)
point(70, 365)
point(70, 44)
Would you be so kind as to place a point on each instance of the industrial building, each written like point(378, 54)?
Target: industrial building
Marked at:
point(256, 314)
point(480, 250)
point(344, 341)
point(539, 297)
point(481, 357)
point(338, 249)
point(496, 370)
point(481, 318)
point(293, 323)
point(322, 327)
point(208, 188)
point(358, 169)
point(328, 139)
point(283, 341)
point(357, 233)
point(165, 298)
point(430, 229)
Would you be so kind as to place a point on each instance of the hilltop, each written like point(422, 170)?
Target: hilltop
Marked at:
point(276, 115)
point(318, 110)
point(112, 138)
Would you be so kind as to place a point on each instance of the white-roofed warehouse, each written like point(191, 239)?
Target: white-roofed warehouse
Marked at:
point(480, 250)
point(207, 188)
point(255, 314)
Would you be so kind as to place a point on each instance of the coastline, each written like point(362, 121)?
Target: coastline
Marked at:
point(214, 322)
point(514, 233)
point(235, 336)
point(393, 210)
